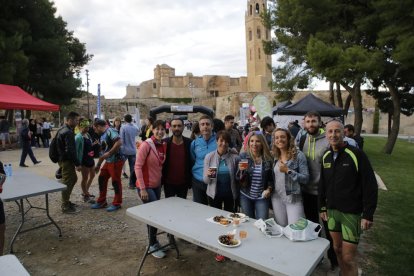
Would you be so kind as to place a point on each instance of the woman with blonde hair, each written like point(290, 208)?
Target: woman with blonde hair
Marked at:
point(290, 172)
point(256, 181)
point(85, 152)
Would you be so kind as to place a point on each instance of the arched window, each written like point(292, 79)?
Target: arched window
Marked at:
point(257, 8)
point(251, 10)
point(259, 52)
point(250, 35)
point(259, 35)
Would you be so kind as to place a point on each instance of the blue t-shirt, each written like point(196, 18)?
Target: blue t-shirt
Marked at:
point(223, 188)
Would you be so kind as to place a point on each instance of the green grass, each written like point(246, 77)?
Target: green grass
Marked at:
point(391, 240)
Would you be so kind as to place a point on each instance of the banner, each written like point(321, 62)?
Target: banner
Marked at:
point(98, 102)
point(263, 106)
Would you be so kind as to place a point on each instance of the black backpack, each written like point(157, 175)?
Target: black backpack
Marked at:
point(53, 149)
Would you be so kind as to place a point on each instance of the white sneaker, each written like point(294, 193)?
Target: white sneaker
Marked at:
point(157, 254)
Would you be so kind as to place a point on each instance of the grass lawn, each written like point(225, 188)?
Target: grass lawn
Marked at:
point(391, 240)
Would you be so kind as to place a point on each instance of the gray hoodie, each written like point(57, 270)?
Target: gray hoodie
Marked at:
point(313, 148)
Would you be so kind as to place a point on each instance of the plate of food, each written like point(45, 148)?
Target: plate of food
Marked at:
point(236, 215)
point(221, 220)
point(228, 241)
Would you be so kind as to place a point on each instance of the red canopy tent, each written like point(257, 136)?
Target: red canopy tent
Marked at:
point(13, 97)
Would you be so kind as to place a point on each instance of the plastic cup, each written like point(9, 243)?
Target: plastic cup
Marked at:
point(243, 164)
point(243, 234)
point(213, 172)
point(236, 222)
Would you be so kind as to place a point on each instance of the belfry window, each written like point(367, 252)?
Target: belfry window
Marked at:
point(259, 35)
point(251, 10)
point(154, 85)
point(250, 35)
point(259, 53)
point(257, 8)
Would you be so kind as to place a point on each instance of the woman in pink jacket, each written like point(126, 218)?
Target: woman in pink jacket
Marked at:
point(148, 169)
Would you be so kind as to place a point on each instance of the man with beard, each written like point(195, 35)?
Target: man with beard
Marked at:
point(176, 176)
point(313, 144)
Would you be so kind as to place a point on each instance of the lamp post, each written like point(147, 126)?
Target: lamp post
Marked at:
point(87, 91)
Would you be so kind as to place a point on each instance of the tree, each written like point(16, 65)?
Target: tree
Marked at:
point(46, 53)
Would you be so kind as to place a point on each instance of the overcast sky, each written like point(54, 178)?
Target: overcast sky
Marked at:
point(128, 38)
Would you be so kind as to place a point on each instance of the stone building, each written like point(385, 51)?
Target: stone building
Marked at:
point(207, 88)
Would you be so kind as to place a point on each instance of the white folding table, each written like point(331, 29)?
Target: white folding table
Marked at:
point(25, 184)
point(187, 220)
point(10, 265)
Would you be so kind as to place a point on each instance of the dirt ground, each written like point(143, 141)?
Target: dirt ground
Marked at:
point(96, 242)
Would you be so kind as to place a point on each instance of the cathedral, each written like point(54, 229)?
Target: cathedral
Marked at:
point(216, 91)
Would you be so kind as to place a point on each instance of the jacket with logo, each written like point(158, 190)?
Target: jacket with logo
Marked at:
point(348, 183)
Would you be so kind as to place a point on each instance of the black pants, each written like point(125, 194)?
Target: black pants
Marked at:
point(27, 150)
point(310, 205)
point(172, 190)
point(199, 191)
point(218, 203)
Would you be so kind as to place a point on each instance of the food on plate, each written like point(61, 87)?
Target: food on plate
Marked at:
point(218, 218)
point(225, 221)
point(228, 240)
point(237, 215)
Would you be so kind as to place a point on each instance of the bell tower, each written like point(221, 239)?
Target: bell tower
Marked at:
point(258, 73)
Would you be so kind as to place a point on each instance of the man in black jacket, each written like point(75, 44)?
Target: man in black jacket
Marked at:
point(347, 195)
point(176, 172)
point(68, 160)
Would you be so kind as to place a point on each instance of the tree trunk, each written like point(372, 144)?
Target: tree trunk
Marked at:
point(339, 96)
point(331, 93)
point(347, 103)
point(395, 129)
point(355, 92)
point(389, 123)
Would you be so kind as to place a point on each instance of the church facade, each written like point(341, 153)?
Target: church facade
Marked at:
point(166, 85)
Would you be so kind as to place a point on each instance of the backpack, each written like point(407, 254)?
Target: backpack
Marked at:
point(53, 148)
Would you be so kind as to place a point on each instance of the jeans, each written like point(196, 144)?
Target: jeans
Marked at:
point(255, 208)
point(179, 191)
point(131, 163)
point(153, 195)
point(199, 191)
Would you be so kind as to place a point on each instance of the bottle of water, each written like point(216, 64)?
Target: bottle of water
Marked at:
point(6, 169)
point(10, 170)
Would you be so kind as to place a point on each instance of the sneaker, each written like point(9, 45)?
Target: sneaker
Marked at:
point(113, 208)
point(125, 175)
point(220, 258)
point(99, 205)
point(70, 210)
point(157, 254)
point(23, 166)
point(73, 204)
point(37, 162)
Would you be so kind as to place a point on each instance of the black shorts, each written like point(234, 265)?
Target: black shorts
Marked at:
point(2, 216)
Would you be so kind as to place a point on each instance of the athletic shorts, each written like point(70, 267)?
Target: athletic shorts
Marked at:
point(2, 216)
point(348, 224)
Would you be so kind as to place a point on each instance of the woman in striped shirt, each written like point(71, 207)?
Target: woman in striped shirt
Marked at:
point(256, 181)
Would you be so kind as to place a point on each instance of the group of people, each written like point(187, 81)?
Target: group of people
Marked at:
point(320, 176)
point(315, 174)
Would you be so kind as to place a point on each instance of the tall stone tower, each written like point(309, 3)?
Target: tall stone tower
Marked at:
point(258, 73)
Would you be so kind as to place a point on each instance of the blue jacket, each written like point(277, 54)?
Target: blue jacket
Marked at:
point(128, 134)
point(199, 149)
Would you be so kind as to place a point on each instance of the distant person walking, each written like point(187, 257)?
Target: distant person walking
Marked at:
point(4, 132)
point(26, 138)
point(68, 161)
